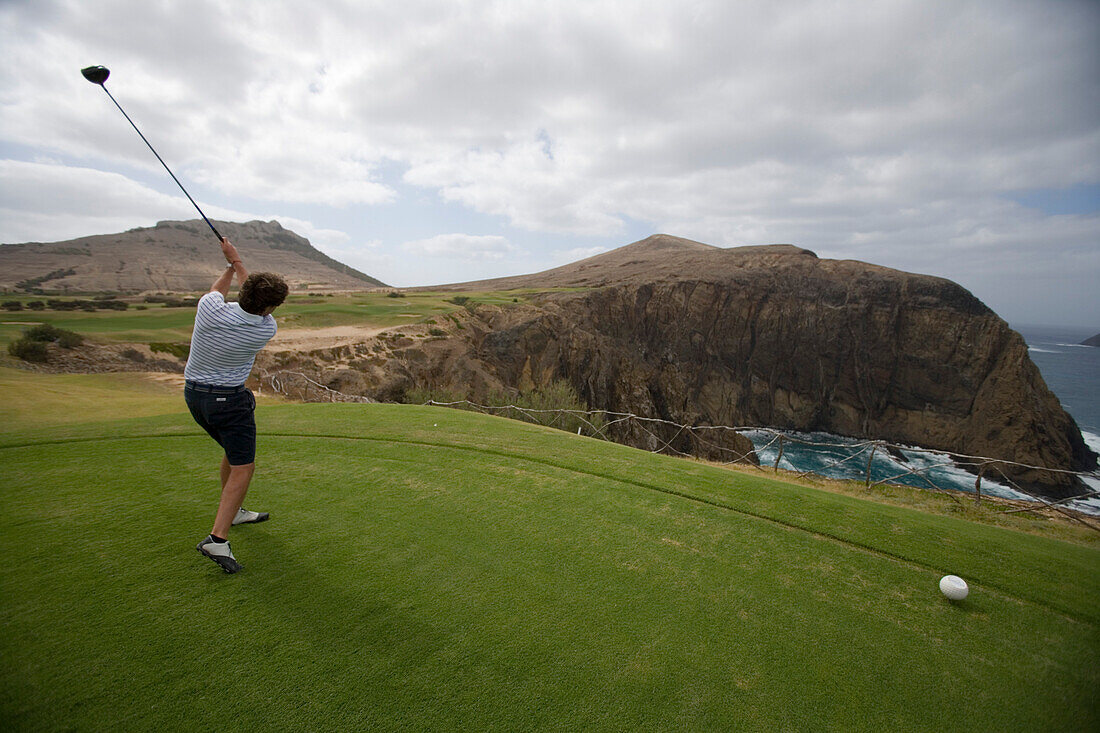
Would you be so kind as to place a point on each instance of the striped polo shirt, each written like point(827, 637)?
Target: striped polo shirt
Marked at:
point(225, 342)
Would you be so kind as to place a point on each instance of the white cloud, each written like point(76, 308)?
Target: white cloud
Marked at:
point(322, 239)
point(72, 202)
point(566, 117)
point(564, 257)
point(462, 247)
point(891, 131)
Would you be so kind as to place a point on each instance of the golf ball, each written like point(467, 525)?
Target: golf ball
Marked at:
point(954, 587)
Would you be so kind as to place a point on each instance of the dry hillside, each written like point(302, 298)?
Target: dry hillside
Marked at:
point(173, 256)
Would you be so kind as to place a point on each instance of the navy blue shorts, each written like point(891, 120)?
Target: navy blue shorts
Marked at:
point(228, 414)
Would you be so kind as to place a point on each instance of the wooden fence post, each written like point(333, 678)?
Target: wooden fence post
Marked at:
point(870, 458)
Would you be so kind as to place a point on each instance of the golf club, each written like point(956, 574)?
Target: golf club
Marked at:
point(98, 75)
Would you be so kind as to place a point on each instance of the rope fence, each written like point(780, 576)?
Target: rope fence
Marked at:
point(716, 443)
point(296, 385)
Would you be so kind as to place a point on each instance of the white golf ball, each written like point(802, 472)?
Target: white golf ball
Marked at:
point(954, 587)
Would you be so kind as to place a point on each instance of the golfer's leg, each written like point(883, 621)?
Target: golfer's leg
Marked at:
point(225, 470)
point(236, 486)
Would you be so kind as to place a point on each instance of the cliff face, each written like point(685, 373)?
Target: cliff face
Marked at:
point(762, 336)
point(794, 342)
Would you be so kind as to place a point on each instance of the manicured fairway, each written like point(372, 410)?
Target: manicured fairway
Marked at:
point(157, 323)
point(428, 569)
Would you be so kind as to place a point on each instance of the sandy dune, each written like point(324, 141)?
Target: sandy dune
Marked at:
point(291, 339)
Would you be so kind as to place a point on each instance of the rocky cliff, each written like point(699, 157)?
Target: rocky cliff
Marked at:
point(768, 336)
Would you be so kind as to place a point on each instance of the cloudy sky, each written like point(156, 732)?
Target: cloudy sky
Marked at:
point(432, 142)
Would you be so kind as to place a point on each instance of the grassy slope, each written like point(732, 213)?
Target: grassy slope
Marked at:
point(158, 323)
point(427, 568)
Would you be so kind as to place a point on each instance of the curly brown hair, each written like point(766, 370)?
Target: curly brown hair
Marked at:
point(262, 290)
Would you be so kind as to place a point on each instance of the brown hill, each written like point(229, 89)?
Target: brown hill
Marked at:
point(768, 336)
point(657, 258)
point(697, 335)
point(173, 256)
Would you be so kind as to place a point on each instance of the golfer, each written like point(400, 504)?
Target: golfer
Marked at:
point(224, 345)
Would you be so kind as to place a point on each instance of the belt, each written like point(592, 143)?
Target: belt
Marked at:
point(213, 388)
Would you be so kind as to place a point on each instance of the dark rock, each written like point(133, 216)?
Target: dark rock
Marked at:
point(774, 336)
point(759, 336)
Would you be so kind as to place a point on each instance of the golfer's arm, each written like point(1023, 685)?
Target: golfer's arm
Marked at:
point(222, 283)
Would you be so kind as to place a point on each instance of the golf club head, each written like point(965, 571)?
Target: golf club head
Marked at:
point(96, 74)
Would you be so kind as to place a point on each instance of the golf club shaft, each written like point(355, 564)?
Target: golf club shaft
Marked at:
point(120, 109)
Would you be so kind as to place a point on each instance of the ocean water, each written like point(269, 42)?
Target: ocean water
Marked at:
point(1070, 370)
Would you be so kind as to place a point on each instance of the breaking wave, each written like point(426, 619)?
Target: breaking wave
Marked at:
point(835, 456)
point(1089, 506)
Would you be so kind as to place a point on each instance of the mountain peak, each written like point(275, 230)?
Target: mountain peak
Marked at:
point(665, 243)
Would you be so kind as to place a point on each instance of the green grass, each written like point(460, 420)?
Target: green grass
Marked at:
point(157, 323)
point(431, 569)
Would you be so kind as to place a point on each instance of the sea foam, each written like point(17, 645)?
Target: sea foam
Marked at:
point(835, 456)
point(1091, 505)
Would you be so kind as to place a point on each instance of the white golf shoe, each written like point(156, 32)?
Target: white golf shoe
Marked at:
point(246, 517)
point(219, 552)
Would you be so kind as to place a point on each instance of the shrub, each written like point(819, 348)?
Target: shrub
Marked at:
point(395, 294)
point(69, 339)
point(13, 305)
point(133, 355)
point(554, 397)
point(28, 350)
point(171, 302)
point(459, 299)
point(422, 395)
point(85, 305)
point(436, 332)
point(43, 332)
point(32, 284)
point(36, 305)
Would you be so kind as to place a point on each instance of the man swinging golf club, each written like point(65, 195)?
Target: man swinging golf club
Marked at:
point(224, 345)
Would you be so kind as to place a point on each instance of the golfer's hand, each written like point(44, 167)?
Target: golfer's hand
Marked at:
point(230, 252)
